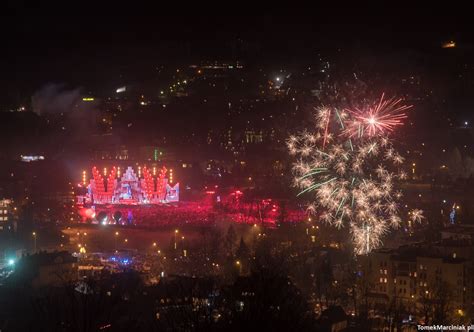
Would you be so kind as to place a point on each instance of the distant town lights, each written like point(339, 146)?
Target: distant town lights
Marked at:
point(28, 159)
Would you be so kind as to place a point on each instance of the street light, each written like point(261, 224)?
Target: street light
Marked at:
point(34, 240)
point(240, 266)
point(115, 238)
point(83, 239)
point(185, 252)
point(175, 234)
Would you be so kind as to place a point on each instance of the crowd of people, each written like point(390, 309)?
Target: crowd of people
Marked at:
point(198, 213)
point(159, 215)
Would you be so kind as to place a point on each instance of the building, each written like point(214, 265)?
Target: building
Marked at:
point(419, 278)
point(7, 215)
point(47, 269)
point(333, 319)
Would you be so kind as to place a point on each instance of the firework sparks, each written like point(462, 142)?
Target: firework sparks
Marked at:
point(351, 176)
point(417, 215)
point(377, 119)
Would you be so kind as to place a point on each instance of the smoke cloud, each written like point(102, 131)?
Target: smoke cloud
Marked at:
point(55, 99)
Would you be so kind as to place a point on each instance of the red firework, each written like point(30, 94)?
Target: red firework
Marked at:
point(378, 119)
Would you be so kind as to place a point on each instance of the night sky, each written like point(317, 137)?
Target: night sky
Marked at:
point(89, 46)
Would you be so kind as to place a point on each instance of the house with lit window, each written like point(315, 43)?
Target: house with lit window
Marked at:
point(6, 215)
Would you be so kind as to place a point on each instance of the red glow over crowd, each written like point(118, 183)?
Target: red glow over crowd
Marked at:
point(209, 209)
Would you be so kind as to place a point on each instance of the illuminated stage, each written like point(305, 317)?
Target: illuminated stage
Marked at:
point(129, 189)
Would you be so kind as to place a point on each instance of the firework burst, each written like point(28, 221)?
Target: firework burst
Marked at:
point(416, 215)
point(380, 118)
point(351, 177)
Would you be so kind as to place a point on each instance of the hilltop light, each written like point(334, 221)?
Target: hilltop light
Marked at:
point(449, 44)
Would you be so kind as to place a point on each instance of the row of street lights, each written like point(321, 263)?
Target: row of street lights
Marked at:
point(116, 239)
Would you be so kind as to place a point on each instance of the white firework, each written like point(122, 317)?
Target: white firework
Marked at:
point(350, 180)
